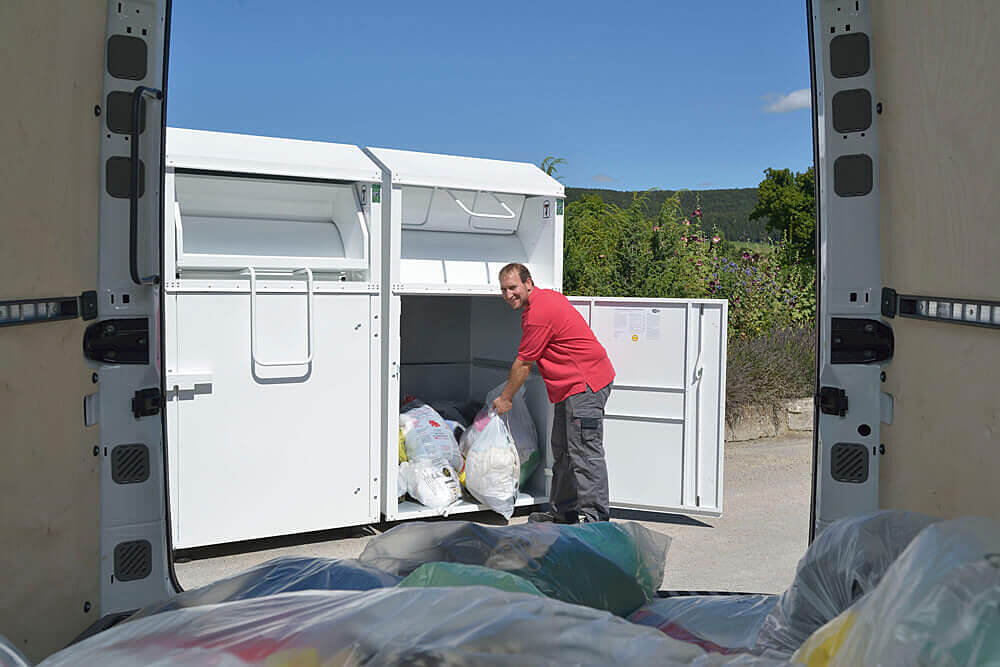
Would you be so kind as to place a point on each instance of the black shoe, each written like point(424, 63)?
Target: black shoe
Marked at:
point(548, 517)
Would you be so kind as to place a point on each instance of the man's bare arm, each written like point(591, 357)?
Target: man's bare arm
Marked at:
point(519, 373)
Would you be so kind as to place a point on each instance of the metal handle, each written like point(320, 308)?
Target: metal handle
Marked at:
point(510, 215)
point(133, 195)
point(254, 356)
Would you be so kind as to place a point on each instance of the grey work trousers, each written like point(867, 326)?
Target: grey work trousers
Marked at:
point(579, 471)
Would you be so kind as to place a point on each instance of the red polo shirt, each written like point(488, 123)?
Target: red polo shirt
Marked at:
point(556, 337)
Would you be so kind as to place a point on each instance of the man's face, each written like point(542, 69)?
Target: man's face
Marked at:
point(515, 292)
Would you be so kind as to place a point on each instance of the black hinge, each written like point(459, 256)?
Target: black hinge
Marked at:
point(859, 341)
point(123, 341)
point(147, 402)
point(832, 401)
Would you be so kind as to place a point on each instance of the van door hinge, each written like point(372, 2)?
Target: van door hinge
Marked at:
point(147, 402)
point(124, 341)
point(859, 341)
point(832, 401)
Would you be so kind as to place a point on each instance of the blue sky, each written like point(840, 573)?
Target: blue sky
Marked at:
point(632, 94)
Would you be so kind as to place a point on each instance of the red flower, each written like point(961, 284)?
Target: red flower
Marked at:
point(656, 228)
point(684, 238)
point(686, 221)
point(716, 239)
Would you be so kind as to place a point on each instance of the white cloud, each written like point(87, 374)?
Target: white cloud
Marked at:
point(793, 101)
point(604, 178)
point(705, 184)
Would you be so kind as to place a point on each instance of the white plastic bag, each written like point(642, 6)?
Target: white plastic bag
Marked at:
point(428, 436)
point(493, 468)
point(432, 482)
point(521, 425)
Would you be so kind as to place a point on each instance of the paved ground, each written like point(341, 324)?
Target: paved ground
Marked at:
point(754, 547)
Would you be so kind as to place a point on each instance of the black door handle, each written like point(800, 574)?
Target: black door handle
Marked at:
point(133, 197)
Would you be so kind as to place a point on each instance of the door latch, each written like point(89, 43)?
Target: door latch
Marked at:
point(147, 402)
point(832, 401)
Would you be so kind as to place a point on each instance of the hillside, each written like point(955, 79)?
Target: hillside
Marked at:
point(726, 209)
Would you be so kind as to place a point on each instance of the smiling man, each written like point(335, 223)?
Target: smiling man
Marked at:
point(578, 377)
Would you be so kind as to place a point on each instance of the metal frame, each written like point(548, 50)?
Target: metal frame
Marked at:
point(848, 259)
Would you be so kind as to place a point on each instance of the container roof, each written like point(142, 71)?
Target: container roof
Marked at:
point(467, 173)
point(248, 154)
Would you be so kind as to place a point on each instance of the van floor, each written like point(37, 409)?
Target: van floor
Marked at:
point(753, 547)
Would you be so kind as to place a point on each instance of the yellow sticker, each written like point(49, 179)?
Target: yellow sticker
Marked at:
point(635, 339)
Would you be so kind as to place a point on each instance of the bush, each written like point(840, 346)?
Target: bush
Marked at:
point(613, 251)
point(765, 370)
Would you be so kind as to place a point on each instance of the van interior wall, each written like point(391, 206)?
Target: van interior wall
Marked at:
point(939, 154)
point(50, 480)
point(461, 347)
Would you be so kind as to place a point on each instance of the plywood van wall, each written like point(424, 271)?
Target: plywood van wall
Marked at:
point(939, 154)
point(51, 63)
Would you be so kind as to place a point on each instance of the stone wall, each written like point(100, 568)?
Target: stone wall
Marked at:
point(795, 416)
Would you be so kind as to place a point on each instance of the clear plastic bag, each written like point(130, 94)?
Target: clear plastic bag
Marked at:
point(492, 468)
point(616, 567)
point(521, 426)
point(939, 604)
point(459, 574)
point(281, 575)
point(717, 623)
point(846, 560)
point(394, 626)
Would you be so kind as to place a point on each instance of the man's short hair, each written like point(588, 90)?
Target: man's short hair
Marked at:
point(521, 269)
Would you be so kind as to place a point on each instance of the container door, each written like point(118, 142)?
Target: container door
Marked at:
point(663, 427)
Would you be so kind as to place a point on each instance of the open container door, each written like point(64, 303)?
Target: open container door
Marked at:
point(272, 339)
point(664, 422)
point(83, 516)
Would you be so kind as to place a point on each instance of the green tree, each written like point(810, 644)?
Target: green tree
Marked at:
point(550, 166)
point(788, 200)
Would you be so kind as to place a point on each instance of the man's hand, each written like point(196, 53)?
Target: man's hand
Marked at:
point(502, 405)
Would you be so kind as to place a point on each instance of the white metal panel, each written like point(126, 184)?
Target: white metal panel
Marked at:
point(467, 173)
point(664, 420)
point(849, 263)
point(243, 153)
point(265, 451)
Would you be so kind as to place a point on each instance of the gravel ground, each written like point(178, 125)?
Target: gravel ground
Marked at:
point(753, 547)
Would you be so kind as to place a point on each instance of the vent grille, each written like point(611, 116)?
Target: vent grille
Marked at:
point(130, 464)
point(133, 560)
point(849, 462)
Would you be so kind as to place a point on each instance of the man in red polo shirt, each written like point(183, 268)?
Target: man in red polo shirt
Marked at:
point(578, 377)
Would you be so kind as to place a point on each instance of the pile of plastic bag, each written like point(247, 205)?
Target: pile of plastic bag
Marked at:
point(396, 626)
point(430, 471)
point(616, 567)
point(938, 604)
point(846, 561)
point(280, 575)
point(443, 448)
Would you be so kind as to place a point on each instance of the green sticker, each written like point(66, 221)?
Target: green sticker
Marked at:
point(559, 207)
point(376, 194)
